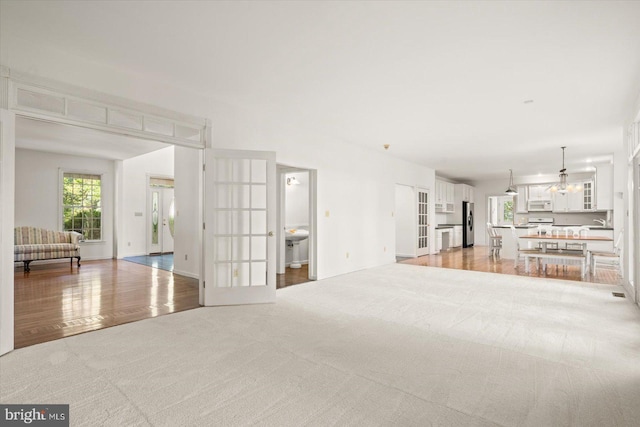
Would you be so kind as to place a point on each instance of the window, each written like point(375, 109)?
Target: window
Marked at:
point(81, 204)
point(508, 211)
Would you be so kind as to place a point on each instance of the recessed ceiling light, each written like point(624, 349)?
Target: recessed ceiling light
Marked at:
point(528, 101)
point(588, 160)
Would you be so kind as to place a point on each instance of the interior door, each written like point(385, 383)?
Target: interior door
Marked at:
point(423, 222)
point(168, 215)
point(154, 245)
point(240, 217)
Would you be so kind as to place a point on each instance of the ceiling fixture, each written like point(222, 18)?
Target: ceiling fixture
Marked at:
point(562, 187)
point(511, 190)
point(293, 181)
point(386, 146)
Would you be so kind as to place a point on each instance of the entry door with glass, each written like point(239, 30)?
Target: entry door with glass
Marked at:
point(239, 256)
point(162, 217)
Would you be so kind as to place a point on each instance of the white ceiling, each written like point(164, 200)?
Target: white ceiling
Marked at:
point(443, 82)
point(78, 141)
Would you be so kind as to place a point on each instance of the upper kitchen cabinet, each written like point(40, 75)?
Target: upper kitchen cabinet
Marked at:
point(444, 197)
point(464, 193)
point(580, 200)
point(604, 187)
point(539, 192)
point(522, 199)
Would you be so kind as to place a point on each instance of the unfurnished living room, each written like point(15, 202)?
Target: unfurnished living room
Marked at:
point(319, 213)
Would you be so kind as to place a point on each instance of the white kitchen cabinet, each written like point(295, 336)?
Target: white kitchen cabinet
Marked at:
point(450, 199)
point(438, 196)
point(456, 237)
point(444, 197)
point(588, 198)
point(604, 187)
point(539, 192)
point(576, 201)
point(522, 199)
point(464, 193)
point(560, 202)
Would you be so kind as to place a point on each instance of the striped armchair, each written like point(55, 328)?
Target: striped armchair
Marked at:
point(34, 244)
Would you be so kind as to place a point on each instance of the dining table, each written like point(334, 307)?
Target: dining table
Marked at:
point(545, 239)
point(566, 255)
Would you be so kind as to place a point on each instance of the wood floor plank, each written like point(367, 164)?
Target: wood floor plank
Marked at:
point(54, 301)
point(293, 276)
point(477, 258)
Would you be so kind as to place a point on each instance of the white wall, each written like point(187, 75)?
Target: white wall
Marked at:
point(405, 218)
point(132, 241)
point(7, 188)
point(188, 229)
point(38, 194)
point(355, 185)
point(297, 212)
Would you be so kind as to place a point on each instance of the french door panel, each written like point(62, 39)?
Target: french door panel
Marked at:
point(240, 204)
point(423, 222)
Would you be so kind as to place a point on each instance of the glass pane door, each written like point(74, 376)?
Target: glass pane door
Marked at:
point(423, 222)
point(239, 209)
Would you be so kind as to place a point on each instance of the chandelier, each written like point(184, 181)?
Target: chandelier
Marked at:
point(562, 187)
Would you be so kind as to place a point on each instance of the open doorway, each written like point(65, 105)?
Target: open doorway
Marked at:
point(53, 300)
point(296, 226)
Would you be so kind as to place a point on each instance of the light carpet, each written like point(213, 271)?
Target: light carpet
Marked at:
point(393, 345)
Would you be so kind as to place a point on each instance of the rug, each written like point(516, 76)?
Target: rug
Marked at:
point(163, 262)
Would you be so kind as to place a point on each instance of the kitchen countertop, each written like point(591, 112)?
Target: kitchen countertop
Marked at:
point(559, 226)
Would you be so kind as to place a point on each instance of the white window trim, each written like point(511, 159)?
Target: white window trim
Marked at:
point(61, 172)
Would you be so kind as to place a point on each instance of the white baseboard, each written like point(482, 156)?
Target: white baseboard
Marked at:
point(406, 255)
point(304, 261)
point(186, 274)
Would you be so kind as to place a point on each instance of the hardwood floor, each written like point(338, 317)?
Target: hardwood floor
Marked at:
point(477, 259)
point(54, 301)
point(293, 276)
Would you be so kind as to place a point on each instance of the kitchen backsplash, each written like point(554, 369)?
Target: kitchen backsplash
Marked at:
point(585, 218)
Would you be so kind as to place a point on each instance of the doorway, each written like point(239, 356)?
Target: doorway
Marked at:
point(161, 205)
point(296, 226)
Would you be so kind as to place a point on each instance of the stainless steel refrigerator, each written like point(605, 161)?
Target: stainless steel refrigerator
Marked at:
point(467, 224)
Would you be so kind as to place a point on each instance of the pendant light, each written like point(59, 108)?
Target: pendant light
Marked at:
point(511, 190)
point(562, 187)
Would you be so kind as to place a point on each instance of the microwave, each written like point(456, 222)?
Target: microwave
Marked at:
point(539, 206)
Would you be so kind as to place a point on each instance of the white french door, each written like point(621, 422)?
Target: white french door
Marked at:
point(240, 217)
point(423, 221)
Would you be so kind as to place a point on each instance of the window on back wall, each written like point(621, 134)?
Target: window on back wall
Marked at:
point(81, 204)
